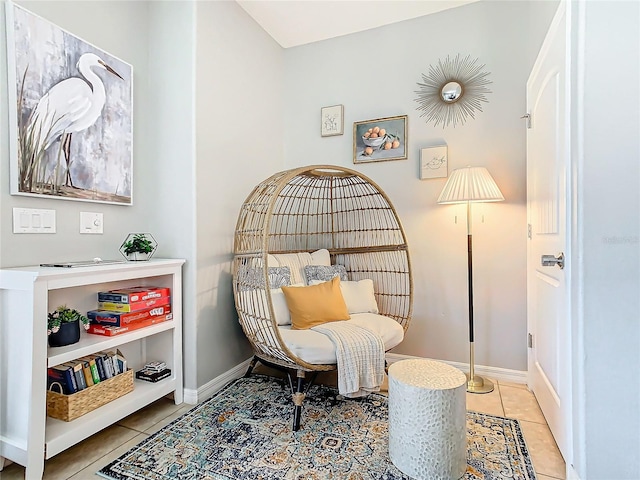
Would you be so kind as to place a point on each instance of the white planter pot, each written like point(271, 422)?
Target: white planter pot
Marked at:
point(137, 256)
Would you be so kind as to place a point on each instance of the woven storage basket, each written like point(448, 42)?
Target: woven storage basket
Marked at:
point(70, 407)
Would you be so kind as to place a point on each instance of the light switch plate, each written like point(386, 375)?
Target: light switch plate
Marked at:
point(91, 222)
point(34, 220)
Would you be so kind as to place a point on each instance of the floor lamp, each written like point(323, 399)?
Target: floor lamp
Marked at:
point(471, 185)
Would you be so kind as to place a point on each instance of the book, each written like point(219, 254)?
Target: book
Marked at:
point(78, 373)
point(155, 366)
point(133, 294)
point(57, 385)
point(120, 319)
point(83, 263)
point(103, 359)
point(93, 368)
point(134, 306)
point(100, 366)
point(64, 376)
point(112, 331)
point(86, 370)
point(94, 371)
point(121, 361)
point(59, 375)
point(108, 361)
point(151, 376)
point(114, 362)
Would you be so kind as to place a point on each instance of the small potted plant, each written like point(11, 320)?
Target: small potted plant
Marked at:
point(63, 326)
point(138, 246)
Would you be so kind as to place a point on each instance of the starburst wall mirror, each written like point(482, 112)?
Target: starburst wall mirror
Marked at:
point(452, 91)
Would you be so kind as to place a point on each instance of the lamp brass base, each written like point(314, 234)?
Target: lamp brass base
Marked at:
point(479, 385)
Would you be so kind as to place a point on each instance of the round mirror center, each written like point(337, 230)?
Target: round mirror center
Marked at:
point(451, 92)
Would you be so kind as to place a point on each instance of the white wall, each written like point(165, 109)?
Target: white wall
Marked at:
point(239, 142)
point(607, 158)
point(170, 122)
point(374, 74)
point(120, 28)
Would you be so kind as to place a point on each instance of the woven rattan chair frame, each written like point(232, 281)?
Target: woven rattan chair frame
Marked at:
point(306, 209)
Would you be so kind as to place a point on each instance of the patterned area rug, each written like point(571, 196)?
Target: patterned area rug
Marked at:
point(244, 432)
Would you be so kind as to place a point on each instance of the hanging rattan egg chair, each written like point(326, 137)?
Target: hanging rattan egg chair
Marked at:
point(307, 209)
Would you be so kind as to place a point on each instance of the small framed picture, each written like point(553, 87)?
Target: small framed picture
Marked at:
point(332, 120)
point(380, 140)
point(433, 162)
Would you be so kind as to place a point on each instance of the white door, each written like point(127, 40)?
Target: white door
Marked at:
point(547, 207)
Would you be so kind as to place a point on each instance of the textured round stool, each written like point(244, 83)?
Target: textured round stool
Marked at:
point(427, 419)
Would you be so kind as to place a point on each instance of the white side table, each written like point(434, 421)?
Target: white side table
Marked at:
point(427, 419)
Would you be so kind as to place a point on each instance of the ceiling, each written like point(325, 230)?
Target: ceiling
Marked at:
point(297, 22)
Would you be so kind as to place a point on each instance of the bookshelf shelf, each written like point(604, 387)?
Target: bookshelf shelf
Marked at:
point(89, 343)
point(27, 435)
point(61, 435)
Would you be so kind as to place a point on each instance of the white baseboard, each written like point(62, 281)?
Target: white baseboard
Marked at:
point(497, 373)
point(571, 473)
point(193, 397)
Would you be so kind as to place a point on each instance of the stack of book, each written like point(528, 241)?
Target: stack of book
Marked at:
point(128, 309)
point(84, 372)
point(153, 372)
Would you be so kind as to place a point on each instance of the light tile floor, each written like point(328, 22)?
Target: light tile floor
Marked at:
point(83, 460)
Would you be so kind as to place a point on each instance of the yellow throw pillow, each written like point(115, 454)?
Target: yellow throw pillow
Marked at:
point(315, 305)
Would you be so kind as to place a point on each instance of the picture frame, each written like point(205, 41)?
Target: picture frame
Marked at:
point(369, 146)
point(70, 114)
point(332, 120)
point(434, 162)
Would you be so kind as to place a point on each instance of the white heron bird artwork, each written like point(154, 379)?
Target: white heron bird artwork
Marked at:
point(73, 117)
point(70, 106)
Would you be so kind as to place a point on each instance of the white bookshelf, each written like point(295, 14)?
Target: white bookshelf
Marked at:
point(27, 294)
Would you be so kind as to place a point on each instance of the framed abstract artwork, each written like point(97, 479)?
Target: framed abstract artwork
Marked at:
point(380, 140)
point(71, 107)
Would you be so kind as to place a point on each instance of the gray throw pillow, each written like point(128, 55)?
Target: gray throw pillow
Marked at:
point(324, 273)
point(253, 278)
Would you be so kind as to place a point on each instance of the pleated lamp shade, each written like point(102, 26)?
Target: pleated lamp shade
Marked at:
point(470, 184)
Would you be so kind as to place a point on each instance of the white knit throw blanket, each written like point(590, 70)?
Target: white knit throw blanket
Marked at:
point(360, 355)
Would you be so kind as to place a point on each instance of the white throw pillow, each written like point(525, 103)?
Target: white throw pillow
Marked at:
point(255, 303)
point(320, 257)
point(297, 261)
point(280, 309)
point(358, 295)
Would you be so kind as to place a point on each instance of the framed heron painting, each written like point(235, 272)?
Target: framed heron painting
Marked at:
point(70, 114)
